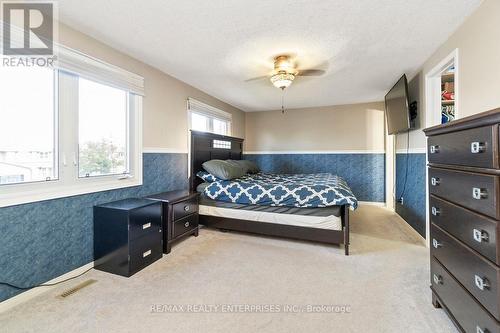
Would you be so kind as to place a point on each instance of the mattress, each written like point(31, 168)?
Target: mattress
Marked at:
point(320, 218)
point(284, 190)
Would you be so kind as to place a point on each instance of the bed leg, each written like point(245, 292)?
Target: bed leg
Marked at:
point(346, 229)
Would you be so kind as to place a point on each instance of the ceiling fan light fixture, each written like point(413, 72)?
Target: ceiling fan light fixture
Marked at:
point(282, 80)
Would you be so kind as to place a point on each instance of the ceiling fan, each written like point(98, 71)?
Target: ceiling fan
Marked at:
point(285, 71)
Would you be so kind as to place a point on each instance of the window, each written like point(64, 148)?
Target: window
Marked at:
point(68, 130)
point(200, 122)
point(28, 125)
point(220, 126)
point(206, 118)
point(102, 129)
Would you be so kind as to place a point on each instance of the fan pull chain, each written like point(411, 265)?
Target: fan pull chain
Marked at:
point(282, 100)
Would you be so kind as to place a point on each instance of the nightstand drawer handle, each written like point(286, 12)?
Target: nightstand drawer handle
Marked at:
point(147, 253)
point(434, 149)
point(435, 211)
point(187, 208)
point(435, 181)
point(477, 147)
point(480, 235)
point(481, 283)
point(438, 279)
point(479, 193)
point(436, 244)
point(186, 224)
point(146, 225)
point(480, 330)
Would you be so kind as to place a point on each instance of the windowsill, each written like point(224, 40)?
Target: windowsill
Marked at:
point(58, 191)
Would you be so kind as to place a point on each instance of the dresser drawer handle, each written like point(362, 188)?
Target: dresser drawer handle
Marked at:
point(434, 149)
point(435, 181)
point(481, 283)
point(146, 225)
point(186, 224)
point(187, 208)
point(435, 211)
point(477, 147)
point(147, 253)
point(438, 279)
point(479, 193)
point(480, 235)
point(436, 244)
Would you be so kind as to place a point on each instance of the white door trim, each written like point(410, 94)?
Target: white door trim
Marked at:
point(433, 103)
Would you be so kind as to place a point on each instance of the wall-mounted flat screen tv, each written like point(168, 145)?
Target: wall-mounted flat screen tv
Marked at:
point(397, 107)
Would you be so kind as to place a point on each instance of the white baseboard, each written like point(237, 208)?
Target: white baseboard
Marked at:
point(309, 152)
point(29, 294)
point(156, 150)
point(372, 203)
point(412, 151)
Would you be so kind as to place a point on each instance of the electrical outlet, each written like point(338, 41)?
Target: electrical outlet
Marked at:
point(401, 201)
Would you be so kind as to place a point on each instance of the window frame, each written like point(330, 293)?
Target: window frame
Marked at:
point(66, 152)
point(196, 107)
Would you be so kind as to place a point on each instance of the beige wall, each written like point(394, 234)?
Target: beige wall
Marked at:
point(164, 106)
point(342, 128)
point(478, 45)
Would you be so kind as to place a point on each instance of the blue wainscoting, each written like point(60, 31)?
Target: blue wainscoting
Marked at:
point(43, 240)
point(365, 173)
point(413, 209)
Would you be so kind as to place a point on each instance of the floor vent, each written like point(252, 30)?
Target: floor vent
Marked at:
point(79, 287)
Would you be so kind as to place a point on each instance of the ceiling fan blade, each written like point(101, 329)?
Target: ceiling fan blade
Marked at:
point(311, 72)
point(257, 78)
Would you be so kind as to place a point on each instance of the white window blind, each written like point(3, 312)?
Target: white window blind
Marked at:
point(206, 118)
point(87, 67)
point(207, 110)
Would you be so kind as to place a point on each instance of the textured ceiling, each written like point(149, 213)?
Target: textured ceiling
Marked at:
point(215, 45)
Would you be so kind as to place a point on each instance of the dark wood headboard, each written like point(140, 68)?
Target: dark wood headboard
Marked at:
point(208, 146)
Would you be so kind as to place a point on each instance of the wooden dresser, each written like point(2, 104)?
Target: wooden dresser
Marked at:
point(464, 211)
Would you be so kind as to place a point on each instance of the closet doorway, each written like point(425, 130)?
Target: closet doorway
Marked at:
point(441, 91)
point(441, 104)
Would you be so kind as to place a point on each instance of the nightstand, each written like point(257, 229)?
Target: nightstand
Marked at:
point(127, 235)
point(180, 215)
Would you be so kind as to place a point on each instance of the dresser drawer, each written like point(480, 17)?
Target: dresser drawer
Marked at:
point(465, 309)
point(144, 251)
point(473, 147)
point(184, 225)
point(185, 208)
point(475, 191)
point(476, 274)
point(477, 231)
point(145, 220)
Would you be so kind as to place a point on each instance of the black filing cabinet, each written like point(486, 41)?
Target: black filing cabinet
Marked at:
point(127, 235)
point(180, 215)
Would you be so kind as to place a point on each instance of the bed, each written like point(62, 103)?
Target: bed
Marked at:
point(312, 220)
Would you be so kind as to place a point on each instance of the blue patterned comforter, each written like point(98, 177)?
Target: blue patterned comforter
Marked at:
point(297, 190)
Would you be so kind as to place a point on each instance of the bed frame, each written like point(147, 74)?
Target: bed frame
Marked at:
point(208, 146)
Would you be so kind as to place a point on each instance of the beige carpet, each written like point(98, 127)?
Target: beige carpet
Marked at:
point(383, 286)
